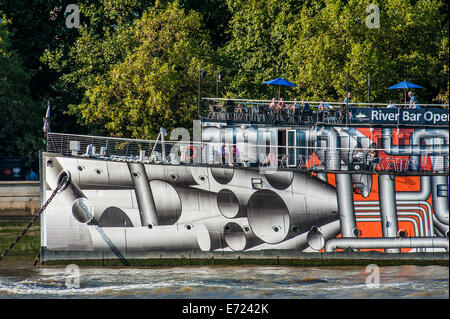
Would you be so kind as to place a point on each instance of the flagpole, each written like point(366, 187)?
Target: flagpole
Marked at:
point(47, 120)
point(346, 96)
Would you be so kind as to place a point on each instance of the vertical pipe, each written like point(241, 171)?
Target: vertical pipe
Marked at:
point(439, 190)
point(163, 146)
point(388, 208)
point(144, 195)
point(344, 189)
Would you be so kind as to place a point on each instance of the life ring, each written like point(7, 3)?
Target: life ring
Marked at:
point(191, 150)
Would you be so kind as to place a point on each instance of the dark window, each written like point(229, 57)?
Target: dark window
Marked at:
point(442, 190)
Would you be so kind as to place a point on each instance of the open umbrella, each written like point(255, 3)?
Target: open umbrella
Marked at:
point(405, 85)
point(279, 82)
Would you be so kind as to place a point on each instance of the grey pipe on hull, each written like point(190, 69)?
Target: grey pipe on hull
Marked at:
point(277, 216)
point(344, 188)
point(363, 182)
point(168, 208)
point(280, 179)
point(386, 243)
point(144, 195)
point(300, 242)
point(167, 202)
point(443, 229)
point(177, 175)
point(427, 212)
point(388, 208)
point(97, 174)
point(145, 239)
point(215, 227)
point(232, 201)
point(268, 216)
point(439, 191)
point(196, 204)
point(317, 236)
point(427, 229)
point(222, 175)
point(82, 208)
point(422, 194)
point(322, 197)
point(228, 204)
point(239, 236)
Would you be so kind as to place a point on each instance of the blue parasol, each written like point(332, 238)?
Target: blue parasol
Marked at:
point(405, 85)
point(280, 82)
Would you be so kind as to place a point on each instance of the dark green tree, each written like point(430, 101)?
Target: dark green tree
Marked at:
point(21, 121)
point(409, 44)
point(155, 84)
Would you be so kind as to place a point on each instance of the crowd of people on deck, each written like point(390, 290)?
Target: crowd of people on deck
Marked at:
point(359, 158)
point(297, 111)
point(276, 110)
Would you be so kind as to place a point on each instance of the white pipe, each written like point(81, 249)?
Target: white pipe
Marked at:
point(386, 243)
point(300, 242)
point(239, 236)
point(164, 238)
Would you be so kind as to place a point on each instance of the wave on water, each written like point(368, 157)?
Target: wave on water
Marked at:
point(227, 282)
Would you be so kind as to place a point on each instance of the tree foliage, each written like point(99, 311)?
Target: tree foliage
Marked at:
point(133, 65)
point(408, 45)
point(153, 86)
point(20, 122)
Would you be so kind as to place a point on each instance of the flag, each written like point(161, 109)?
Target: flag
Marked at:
point(47, 119)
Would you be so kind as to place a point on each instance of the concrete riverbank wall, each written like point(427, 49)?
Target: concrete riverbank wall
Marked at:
point(19, 199)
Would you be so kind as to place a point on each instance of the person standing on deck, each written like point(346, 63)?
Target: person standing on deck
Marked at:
point(412, 100)
point(348, 99)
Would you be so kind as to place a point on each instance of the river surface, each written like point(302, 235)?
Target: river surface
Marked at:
point(19, 280)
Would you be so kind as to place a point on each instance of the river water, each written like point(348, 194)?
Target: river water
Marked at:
point(19, 280)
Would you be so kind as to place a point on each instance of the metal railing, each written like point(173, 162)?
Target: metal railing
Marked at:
point(239, 155)
point(293, 112)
